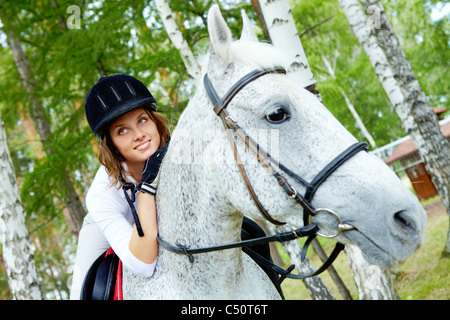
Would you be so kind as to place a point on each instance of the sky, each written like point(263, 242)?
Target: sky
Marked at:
point(441, 10)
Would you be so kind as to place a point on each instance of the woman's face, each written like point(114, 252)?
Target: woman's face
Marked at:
point(135, 136)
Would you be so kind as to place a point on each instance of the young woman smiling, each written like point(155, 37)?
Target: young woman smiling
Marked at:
point(134, 138)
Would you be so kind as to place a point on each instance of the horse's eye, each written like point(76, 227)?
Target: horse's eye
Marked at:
point(278, 116)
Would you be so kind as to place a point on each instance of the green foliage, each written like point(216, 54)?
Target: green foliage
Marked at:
point(426, 45)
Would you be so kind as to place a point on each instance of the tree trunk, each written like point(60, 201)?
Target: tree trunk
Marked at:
point(414, 110)
point(177, 38)
point(279, 28)
point(16, 246)
point(373, 282)
point(38, 114)
point(74, 210)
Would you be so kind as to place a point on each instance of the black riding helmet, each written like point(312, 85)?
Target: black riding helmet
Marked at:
point(112, 97)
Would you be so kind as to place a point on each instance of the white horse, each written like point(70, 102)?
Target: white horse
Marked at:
point(202, 197)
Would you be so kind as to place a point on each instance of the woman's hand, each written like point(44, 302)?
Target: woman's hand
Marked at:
point(150, 173)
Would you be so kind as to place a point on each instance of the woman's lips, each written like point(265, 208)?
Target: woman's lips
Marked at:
point(143, 146)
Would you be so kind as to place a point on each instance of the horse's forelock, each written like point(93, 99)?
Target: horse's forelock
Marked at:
point(254, 54)
point(257, 54)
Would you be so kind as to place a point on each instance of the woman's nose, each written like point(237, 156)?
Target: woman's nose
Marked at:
point(138, 134)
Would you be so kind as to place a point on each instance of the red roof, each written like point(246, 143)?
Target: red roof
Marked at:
point(408, 147)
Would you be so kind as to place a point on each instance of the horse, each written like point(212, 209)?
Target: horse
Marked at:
point(202, 197)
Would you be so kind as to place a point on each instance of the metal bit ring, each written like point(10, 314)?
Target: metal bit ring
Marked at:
point(341, 226)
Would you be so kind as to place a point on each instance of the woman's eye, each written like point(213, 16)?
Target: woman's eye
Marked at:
point(278, 116)
point(122, 131)
point(142, 120)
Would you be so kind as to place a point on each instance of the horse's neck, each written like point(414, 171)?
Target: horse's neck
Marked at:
point(191, 207)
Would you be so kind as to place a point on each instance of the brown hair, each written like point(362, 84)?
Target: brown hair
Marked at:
point(111, 158)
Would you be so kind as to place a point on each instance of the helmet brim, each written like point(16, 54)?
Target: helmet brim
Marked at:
point(102, 126)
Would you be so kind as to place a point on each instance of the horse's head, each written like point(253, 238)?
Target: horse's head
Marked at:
point(291, 124)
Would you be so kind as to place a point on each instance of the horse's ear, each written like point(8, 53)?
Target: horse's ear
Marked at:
point(219, 34)
point(248, 34)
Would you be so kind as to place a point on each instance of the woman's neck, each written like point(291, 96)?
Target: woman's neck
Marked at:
point(134, 169)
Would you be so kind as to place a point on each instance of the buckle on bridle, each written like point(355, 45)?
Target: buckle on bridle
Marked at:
point(335, 228)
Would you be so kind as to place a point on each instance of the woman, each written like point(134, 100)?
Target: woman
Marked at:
point(121, 200)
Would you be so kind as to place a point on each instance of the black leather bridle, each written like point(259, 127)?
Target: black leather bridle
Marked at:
point(264, 157)
point(310, 229)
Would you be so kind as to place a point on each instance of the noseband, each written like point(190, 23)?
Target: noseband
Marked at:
point(309, 229)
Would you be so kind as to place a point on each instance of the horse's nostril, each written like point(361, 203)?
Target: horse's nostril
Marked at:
point(402, 220)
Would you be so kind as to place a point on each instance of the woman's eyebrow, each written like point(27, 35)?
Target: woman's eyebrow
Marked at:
point(140, 115)
point(120, 124)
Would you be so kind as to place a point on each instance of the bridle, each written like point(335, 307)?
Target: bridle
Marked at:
point(263, 157)
point(273, 168)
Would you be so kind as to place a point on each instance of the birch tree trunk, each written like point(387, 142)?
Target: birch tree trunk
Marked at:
point(373, 283)
point(73, 208)
point(177, 38)
point(279, 28)
point(17, 249)
point(414, 110)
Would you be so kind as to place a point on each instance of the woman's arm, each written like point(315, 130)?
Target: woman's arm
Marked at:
point(111, 212)
point(145, 248)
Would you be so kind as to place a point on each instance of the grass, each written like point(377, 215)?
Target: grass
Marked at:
point(424, 276)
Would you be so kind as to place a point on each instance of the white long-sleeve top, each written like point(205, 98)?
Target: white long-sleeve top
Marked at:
point(109, 209)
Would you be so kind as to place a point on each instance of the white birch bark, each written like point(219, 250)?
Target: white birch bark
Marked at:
point(373, 283)
point(370, 281)
point(415, 111)
point(177, 38)
point(17, 249)
point(350, 106)
point(283, 34)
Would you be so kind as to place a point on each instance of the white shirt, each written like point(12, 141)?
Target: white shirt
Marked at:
point(110, 211)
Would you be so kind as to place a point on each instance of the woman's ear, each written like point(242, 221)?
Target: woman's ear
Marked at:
point(219, 35)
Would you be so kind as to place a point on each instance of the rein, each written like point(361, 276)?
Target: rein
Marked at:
point(305, 231)
point(309, 229)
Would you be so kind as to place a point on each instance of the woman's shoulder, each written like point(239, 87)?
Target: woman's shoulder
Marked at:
point(101, 185)
point(104, 202)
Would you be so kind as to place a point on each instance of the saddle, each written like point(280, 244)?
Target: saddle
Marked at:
point(103, 280)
